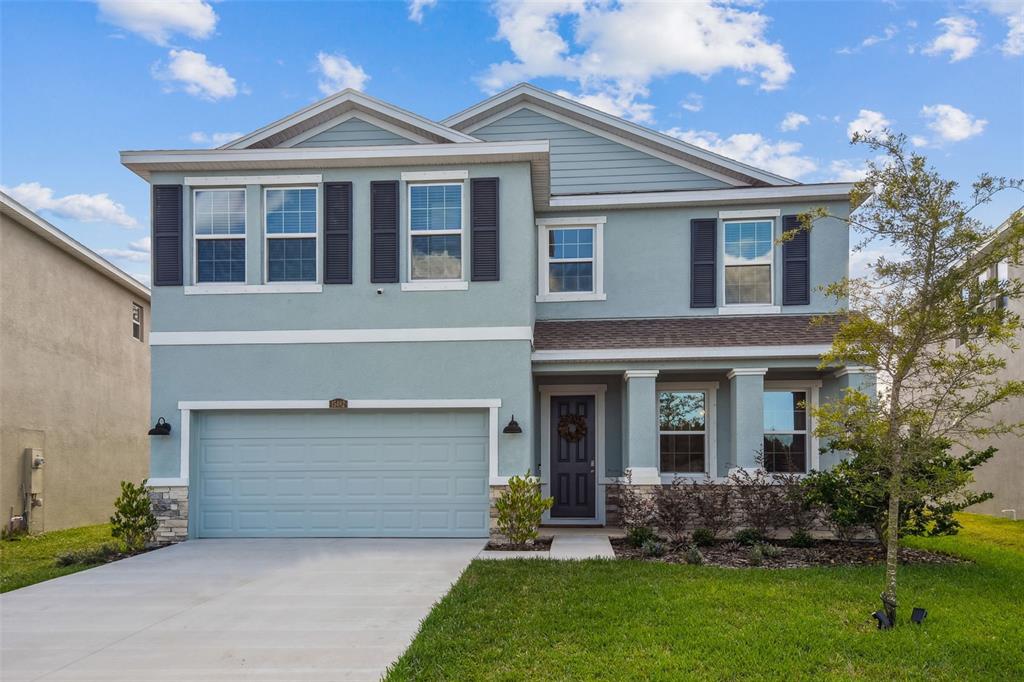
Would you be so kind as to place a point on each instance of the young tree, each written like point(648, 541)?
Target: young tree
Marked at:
point(924, 321)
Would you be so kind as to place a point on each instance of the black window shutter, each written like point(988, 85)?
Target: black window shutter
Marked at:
point(796, 264)
point(703, 275)
point(338, 233)
point(484, 233)
point(384, 231)
point(167, 235)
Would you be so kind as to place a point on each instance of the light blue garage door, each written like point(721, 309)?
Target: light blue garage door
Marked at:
point(341, 474)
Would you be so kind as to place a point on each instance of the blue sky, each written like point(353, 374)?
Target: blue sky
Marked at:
point(778, 85)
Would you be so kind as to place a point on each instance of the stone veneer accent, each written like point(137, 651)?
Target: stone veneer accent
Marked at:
point(170, 506)
point(496, 491)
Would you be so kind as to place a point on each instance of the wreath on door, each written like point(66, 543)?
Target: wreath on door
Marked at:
point(572, 427)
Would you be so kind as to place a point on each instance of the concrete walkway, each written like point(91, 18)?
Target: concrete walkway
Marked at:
point(232, 610)
point(567, 543)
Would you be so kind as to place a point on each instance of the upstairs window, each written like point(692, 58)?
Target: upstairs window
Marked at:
point(137, 321)
point(291, 234)
point(785, 431)
point(748, 262)
point(570, 266)
point(219, 229)
point(435, 232)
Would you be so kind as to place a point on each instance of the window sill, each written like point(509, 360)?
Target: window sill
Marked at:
point(253, 289)
point(555, 298)
point(454, 285)
point(749, 309)
point(668, 478)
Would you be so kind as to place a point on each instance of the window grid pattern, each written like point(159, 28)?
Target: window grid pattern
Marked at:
point(435, 232)
point(137, 321)
point(571, 259)
point(748, 262)
point(682, 432)
point(785, 431)
point(291, 228)
point(219, 227)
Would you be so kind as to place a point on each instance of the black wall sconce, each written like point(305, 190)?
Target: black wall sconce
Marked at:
point(161, 428)
point(513, 426)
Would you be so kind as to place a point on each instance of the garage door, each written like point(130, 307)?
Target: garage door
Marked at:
point(341, 474)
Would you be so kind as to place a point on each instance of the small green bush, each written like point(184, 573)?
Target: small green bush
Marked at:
point(769, 551)
point(520, 509)
point(86, 557)
point(748, 536)
point(702, 537)
point(801, 538)
point(133, 520)
point(639, 535)
point(755, 555)
point(652, 548)
point(693, 556)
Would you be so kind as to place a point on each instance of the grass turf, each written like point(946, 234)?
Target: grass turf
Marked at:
point(30, 559)
point(616, 620)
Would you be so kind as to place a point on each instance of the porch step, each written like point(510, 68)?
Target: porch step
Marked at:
point(581, 547)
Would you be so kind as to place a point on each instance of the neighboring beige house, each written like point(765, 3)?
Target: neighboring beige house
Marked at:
point(74, 376)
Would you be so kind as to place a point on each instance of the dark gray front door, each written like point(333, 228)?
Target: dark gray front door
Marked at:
point(573, 464)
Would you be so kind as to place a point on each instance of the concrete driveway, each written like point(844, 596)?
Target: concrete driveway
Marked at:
point(230, 610)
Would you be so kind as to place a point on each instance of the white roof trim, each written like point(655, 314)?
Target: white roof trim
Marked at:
point(55, 236)
point(554, 100)
point(682, 353)
point(825, 191)
point(349, 115)
point(356, 97)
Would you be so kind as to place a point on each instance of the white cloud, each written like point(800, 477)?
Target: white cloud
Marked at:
point(86, 208)
point(952, 124)
point(616, 103)
point(693, 102)
point(959, 38)
point(867, 121)
point(919, 140)
point(844, 170)
point(793, 120)
point(157, 20)
point(614, 50)
point(1012, 12)
point(416, 8)
point(780, 157)
point(191, 72)
point(338, 73)
point(142, 277)
point(887, 35)
point(212, 139)
point(138, 251)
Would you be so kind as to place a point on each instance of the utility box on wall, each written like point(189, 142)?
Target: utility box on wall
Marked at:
point(33, 487)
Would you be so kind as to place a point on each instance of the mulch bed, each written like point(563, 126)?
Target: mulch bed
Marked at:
point(542, 544)
point(727, 554)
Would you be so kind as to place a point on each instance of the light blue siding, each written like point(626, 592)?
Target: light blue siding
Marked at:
point(341, 474)
point(355, 132)
point(585, 163)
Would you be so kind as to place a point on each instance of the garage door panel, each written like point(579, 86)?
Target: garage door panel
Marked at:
point(343, 474)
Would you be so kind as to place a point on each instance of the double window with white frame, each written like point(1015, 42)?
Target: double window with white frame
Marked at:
point(435, 232)
point(570, 252)
point(218, 228)
point(686, 419)
point(290, 219)
point(749, 252)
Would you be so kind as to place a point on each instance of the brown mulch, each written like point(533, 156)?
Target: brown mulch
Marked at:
point(726, 554)
point(542, 544)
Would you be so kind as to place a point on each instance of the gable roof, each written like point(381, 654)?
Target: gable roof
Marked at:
point(31, 221)
point(320, 114)
point(687, 154)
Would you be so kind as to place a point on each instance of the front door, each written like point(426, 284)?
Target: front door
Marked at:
point(573, 464)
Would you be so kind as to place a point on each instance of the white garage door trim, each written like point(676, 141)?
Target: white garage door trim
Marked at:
point(186, 407)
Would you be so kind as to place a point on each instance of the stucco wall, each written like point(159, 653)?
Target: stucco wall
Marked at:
point(73, 381)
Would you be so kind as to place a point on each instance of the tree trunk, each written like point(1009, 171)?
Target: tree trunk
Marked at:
point(892, 550)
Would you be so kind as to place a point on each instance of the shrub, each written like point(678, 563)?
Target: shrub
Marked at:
point(86, 557)
point(673, 509)
point(757, 499)
point(712, 506)
point(796, 511)
point(133, 520)
point(749, 537)
point(640, 535)
point(801, 538)
point(520, 509)
point(636, 507)
point(770, 551)
point(755, 555)
point(652, 548)
point(703, 537)
point(693, 556)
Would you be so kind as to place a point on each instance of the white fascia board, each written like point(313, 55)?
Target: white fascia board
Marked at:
point(225, 180)
point(400, 404)
point(572, 220)
point(683, 353)
point(424, 176)
point(749, 213)
point(299, 336)
point(825, 191)
point(40, 227)
point(356, 113)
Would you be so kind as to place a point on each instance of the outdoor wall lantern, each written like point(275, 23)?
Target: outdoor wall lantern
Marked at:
point(513, 426)
point(161, 428)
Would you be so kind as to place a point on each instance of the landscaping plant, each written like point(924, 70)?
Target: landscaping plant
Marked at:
point(703, 537)
point(712, 507)
point(636, 507)
point(520, 509)
point(133, 520)
point(757, 497)
point(925, 321)
point(673, 509)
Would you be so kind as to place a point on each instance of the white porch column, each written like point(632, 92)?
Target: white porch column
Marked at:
point(746, 416)
point(641, 451)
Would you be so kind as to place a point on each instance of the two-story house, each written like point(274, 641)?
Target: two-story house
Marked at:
point(365, 321)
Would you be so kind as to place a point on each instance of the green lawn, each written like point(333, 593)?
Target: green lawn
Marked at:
point(30, 559)
point(616, 620)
